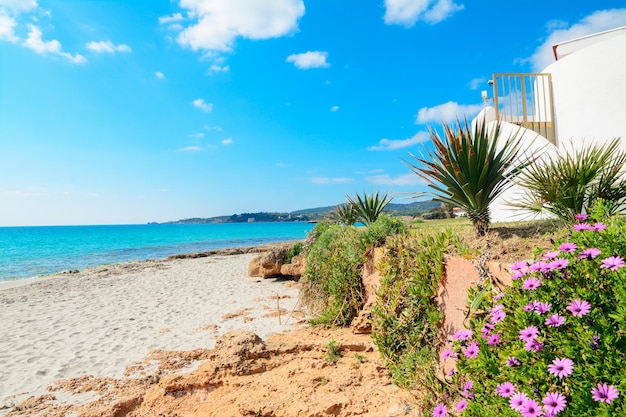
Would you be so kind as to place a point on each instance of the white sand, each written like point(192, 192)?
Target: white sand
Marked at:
point(99, 321)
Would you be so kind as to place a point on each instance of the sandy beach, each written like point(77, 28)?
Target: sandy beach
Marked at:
point(99, 321)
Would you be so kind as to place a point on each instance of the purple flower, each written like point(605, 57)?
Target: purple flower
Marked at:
point(513, 361)
point(518, 266)
point(530, 408)
point(568, 247)
point(529, 307)
point(533, 346)
point(497, 314)
point(529, 333)
point(599, 226)
point(517, 275)
point(540, 266)
point(542, 308)
point(583, 226)
point(578, 307)
point(555, 320)
point(604, 393)
point(581, 217)
point(468, 386)
point(486, 330)
point(505, 389)
point(463, 334)
point(561, 367)
point(589, 253)
point(440, 410)
point(461, 406)
point(559, 263)
point(448, 353)
point(516, 401)
point(554, 402)
point(613, 263)
point(471, 351)
point(551, 255)
point(531, 283)
point(498, 296)
point(494, 339)
point(595, 342)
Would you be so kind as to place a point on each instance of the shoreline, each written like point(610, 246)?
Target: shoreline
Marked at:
point(237, 250)
point(101, 320)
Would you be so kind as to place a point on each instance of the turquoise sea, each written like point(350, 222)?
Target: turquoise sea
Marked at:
point(27, 252)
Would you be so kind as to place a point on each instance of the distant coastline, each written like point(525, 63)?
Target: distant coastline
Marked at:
point(308, 215)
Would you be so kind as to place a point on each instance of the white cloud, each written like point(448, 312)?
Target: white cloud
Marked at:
point(18, 6)
point(310, 59)
point(218, 68)
point(447, 112)
point(35, 42)
point(107, 47)
point(191, 149)
point(408, 12)
point(200, 104)
point(217, 24)
point(7, 27)
point(176, 17)
point(216, 128)
point(400, 180)
point(227, 141)
point(159, 75)
point(196, 135)
point(477, 83)
point(598, 21)
point(393, 144)
point(334, 108)
point(327, 180)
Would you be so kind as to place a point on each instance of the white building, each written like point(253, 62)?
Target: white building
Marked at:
point(577, 100)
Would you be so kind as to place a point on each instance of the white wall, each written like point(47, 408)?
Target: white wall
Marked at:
point(589, 90)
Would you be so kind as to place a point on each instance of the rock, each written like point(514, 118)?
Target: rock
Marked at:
point(295, 268)
point(271, 264)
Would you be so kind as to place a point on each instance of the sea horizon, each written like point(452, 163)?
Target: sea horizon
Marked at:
point(33, 251)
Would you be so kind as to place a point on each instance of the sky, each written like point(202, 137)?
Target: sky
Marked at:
point(133, 111)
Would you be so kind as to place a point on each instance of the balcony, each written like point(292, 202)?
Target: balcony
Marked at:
point(526, 100)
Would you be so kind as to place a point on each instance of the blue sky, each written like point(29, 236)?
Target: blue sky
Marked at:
point(119, 111)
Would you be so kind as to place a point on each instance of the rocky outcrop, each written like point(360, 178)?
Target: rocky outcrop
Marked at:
point(274, 263)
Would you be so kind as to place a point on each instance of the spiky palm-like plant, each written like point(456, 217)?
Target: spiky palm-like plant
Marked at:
point(345, 214)
point(470, 169)
point(369, 207)
point(573, 180)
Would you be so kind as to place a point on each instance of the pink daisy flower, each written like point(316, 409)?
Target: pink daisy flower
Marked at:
point(463, 334)
point(516, 401)
point(531, 283)
point(555, 320)
point(461, 406)
point(589, 253)
point(505, 389)
point(613, 263)
point(561, 367)
point(604, 393)
point(568, 247)
point(440, 410)
point(529, 333)
point(578, 307)
point(531, 408)
point(471, 351)
point(554, 402)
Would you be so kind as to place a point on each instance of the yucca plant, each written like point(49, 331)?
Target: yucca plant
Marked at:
point(470, 169)
point(570, 182)
point(345, 214)
point(369, 207)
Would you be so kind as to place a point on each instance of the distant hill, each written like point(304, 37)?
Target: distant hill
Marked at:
point(416, 208)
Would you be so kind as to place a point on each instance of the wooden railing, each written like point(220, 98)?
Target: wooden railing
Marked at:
point(526, 100)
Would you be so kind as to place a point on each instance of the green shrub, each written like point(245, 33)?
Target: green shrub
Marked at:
point(407, 323)
point(331, 285)
point(295, 250)
point(383, 227)
point(556, 336)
